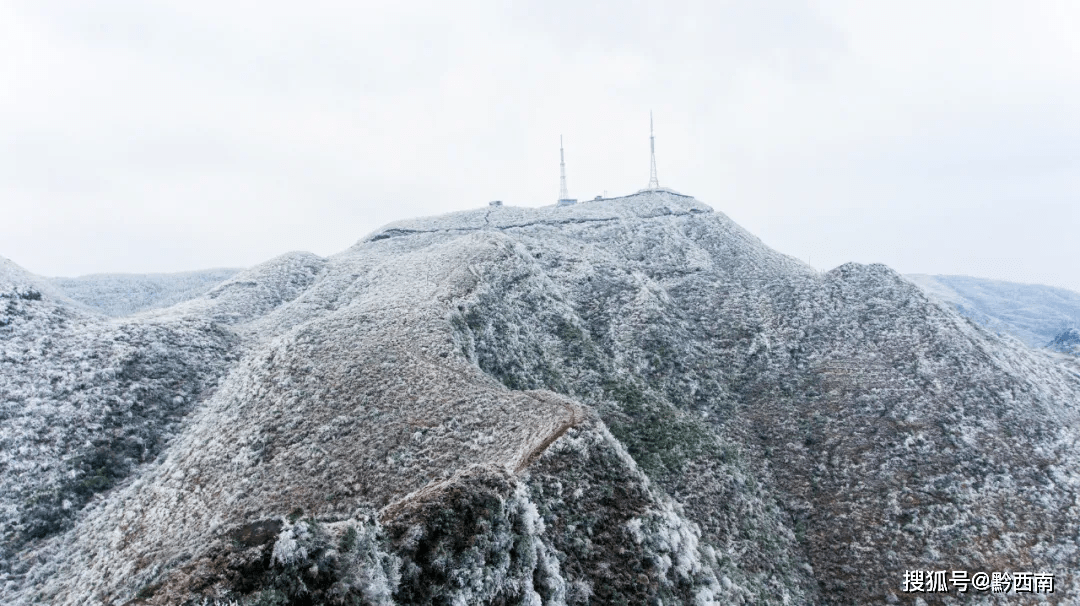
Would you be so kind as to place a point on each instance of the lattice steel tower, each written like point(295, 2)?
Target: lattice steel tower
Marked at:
point(563, 194)
point(653, 182)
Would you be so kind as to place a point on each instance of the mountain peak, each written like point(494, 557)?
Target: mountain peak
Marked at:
point(622, 401)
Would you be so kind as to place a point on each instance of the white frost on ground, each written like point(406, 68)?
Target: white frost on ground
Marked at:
point(671, 409)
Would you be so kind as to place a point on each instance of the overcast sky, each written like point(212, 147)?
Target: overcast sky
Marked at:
point(151, 135)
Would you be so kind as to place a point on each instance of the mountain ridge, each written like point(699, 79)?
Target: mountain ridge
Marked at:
point(623, 400)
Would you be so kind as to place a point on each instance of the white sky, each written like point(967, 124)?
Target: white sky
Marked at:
point(161, 135)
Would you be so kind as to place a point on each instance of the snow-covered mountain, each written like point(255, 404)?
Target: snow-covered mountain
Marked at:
point(626, 401)
point(1067, 342)
point(125, 294)
point(1033, 313)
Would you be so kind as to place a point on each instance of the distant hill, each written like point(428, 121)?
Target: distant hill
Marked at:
point(1033, 313)
point(125, 294)
point(1067, 342)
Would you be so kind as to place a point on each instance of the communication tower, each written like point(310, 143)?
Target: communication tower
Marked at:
point(653, 182)
point(564, 196)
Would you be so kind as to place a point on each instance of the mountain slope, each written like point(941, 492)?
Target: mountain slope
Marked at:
point(1033, 313)
point(624, 401)
point(85, 400)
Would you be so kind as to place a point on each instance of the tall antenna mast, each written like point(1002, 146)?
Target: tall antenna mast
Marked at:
point(653, 182)
point(563, 194)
